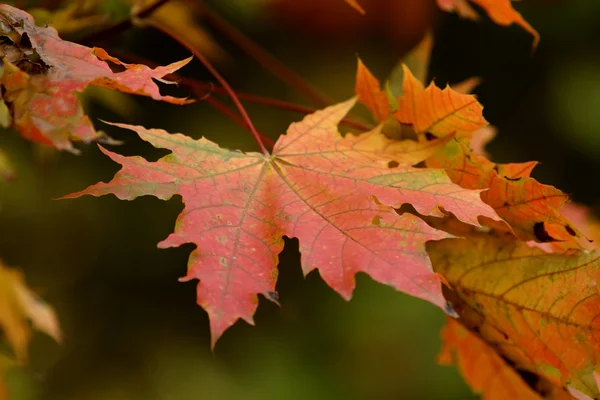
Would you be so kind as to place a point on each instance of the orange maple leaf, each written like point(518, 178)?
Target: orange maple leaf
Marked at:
point(539, 310)
point(42, 74)
point(369, 92)
point(436, 111)
point(354, 4)
point(500, 11)
point(18, 306)
point(532, 209)
point(335, 194)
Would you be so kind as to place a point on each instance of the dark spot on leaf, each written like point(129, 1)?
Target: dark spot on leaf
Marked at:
point(539, 230)
point(532, 380)
point(25, 41)
point(570, 230)
point(508, 178)
point(430, 136)
point(273, 296)
point(376, 220)
point(508, 361)
point(33, 65)
point(393, 164)
point(496, 169)
point(505, 204)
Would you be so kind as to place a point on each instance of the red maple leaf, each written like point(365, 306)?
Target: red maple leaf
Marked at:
point(335, 194)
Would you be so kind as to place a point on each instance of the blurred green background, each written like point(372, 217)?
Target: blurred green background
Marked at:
point(134, 332)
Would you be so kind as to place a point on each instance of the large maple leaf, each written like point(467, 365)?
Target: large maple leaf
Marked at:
point(333, 193)
point(538, 310)
point(42, 73)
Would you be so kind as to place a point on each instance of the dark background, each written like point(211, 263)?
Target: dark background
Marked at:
point(134, 332)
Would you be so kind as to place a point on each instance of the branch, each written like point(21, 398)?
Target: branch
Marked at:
point(219, 78)
point(270, 63)
point(202, 88)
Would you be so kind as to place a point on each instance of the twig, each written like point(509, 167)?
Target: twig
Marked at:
point(267, 101)
point(265, 59)
point(223, 108)
point(201, 88)
point(220, 79)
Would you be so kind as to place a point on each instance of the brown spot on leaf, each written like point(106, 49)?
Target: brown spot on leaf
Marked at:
point(539, 230)
point(508, 178)
point(25, 41)
point(273, 296)
point(430, 136)
point(393, 164)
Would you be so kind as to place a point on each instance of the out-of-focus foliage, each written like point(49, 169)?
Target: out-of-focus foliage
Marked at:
point(18, 307)
point(117, 293)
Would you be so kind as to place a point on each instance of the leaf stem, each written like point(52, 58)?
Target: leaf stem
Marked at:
point(223, 108)
point(200, 89)
point(220, 79)
point(267, 101)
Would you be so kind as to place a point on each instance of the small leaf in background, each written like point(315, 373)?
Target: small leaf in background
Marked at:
point(499, 11)
point(354, 4)
point(416, 60)
point(335, 194)
point(182, 17)
point(538, 310)
point(45, 72)
point(73, 18)
point(480, 138)
point(584, 219)
point(467, 86)
point(18, 306)
point(7, 172)
point(5, 364)
point(462, 7)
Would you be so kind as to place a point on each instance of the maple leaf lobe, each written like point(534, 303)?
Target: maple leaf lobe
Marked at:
point(438, 111)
